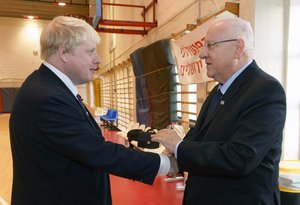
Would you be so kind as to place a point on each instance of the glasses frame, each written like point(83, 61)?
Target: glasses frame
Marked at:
point(210, 44)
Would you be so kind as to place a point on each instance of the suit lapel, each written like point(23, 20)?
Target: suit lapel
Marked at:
point(92, 120)
point(203, 121)
point(46, 71)
point(205, 106)
point(202, 115)
point(240, 81)
point(87, 115)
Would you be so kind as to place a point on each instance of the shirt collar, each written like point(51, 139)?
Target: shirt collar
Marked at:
point(63, 77)
point(227, 84)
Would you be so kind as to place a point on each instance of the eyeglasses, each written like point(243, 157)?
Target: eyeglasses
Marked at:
point(210, 44)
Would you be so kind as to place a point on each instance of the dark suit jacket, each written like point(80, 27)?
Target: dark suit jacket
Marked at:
point(59, 154)
point(232, 156)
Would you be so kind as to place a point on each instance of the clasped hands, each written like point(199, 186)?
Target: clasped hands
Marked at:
point(169, 139)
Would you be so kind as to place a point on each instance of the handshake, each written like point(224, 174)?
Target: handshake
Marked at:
point(169, 138)
point(149, 139)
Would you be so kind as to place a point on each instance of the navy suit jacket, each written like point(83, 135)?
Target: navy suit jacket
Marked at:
point(59, 154)
point(232, 155)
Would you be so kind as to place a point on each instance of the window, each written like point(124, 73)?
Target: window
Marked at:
point(292, 127)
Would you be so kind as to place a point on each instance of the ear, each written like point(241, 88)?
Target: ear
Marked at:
point(240, 47)
point(63, 54)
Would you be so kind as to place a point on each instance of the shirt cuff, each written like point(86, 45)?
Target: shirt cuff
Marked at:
point(175, 151)
point(164, 167)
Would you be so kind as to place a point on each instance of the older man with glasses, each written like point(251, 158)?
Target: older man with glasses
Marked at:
point(232, 154)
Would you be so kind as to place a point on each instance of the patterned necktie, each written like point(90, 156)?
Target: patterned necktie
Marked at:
point(88, 116)
point(81, 104)
point(215, 101)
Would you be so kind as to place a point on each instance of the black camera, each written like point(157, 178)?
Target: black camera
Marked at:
point(143, 138)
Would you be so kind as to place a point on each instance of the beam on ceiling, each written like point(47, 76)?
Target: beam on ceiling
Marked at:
point(127, 23)
point(121, 31)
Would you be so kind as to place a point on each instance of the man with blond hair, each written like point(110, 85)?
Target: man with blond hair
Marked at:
point(59, 154)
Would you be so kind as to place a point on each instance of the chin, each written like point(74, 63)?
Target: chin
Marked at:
point(82, 81)
point(209, 75)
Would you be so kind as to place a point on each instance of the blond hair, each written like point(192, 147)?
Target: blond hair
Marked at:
point(68, 32)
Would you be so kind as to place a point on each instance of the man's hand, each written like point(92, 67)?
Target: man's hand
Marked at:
point(168, 138)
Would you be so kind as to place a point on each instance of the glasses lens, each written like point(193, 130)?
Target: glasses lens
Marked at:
point(209, 45)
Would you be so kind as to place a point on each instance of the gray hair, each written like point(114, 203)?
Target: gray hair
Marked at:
point(240, 29)
point(68, 32)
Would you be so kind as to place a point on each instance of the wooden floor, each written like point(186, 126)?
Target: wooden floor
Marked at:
point(124, 191)
point(5, 161)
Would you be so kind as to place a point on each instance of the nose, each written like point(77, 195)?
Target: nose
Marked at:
point(203, 52)
point(97, 59)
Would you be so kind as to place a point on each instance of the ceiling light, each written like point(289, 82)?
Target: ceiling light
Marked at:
point(30, 17)
point(61, 4)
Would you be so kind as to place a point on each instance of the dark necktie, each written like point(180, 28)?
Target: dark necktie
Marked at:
point(85, 110)
point(81, 104)
point(215, 101)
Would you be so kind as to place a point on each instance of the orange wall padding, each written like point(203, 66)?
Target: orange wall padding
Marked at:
point(97, 96)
